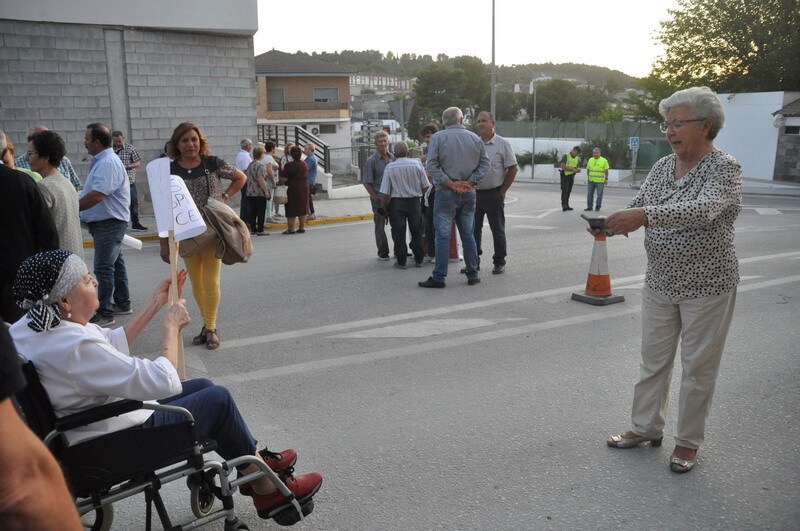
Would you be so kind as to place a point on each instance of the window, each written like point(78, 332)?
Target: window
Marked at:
point(327, 129)
point(324, 95)
point(275, 99)
point(792, 130)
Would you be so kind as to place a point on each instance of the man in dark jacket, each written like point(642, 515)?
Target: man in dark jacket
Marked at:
point(26, 228)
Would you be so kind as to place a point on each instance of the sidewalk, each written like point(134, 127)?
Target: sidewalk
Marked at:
point(327, 211)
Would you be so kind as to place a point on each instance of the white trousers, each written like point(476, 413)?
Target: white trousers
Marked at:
point(701, 325)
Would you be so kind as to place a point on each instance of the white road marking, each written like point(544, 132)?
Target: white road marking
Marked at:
point(539, 216)
point(438, 312)
point(421, 329)
point(768, 211)
point(605, 314)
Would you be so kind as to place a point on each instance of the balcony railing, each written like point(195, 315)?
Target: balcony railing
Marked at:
point(308, 106)
point(282, 134)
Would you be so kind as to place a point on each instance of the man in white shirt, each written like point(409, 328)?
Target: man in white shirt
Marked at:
point(491, 191)
point(243, 160)
point(402, 187)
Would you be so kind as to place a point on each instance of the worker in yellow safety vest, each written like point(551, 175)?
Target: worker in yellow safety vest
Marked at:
point(597, 168)
point(569, 168)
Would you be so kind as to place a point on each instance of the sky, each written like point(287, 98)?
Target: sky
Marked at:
point(617, 34)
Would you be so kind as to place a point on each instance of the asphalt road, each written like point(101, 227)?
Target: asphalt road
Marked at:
point(487, 407)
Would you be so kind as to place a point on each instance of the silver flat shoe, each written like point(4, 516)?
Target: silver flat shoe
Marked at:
point(618, 441)
point(681, 466)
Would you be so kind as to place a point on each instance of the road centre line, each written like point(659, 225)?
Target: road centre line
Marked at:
point(417, 349)
point(438, 312)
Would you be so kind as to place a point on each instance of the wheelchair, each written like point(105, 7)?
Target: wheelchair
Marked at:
point(122, 464)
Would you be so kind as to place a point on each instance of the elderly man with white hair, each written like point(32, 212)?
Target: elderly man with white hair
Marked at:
point(404, 183)
point(457, 162)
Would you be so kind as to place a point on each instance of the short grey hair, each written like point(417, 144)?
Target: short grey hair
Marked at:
point(452, 116)
point(246, 142)
point(401, 149)
point(702, 102)
point(2, 141)
point(381, 134)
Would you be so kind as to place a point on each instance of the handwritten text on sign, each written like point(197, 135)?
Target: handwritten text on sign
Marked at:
point(173, 205)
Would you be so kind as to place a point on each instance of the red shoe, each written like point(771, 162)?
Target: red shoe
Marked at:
point(282, 462)
point(302, 487)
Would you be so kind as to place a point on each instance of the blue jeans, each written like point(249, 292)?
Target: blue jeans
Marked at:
point(590, 194)
point(215, 414)
point(109, 265)
point(460, 208)
point(134, 206)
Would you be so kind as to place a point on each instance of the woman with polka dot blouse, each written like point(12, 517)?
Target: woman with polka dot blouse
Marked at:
point(688, 205)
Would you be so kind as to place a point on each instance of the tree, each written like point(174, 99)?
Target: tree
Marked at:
point(645, 106)
point(732, 45)
point(559, 99)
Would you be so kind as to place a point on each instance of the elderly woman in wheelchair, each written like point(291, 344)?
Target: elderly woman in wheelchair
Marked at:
point(82, 366)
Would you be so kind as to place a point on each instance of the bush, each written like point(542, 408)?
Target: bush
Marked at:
point(615, 151)
point(543, 157)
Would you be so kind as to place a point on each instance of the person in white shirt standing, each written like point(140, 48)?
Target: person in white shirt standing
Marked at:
point(402, 187)
point(491, 192)
point(243, 160)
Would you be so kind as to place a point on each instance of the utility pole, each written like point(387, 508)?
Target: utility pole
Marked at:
point(533, 149)
point(494, 72)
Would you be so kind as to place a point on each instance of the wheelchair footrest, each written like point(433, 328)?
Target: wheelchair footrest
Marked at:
point(289, 515)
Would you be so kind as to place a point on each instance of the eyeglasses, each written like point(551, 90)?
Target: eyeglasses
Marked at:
point(677, 124)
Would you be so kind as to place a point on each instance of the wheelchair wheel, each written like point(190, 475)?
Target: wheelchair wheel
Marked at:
point(103, 518)
point(202, 500)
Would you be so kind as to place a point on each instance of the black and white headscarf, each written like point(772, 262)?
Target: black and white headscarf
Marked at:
point(43, 280)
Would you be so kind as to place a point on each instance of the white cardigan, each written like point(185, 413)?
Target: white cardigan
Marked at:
point(87, 366)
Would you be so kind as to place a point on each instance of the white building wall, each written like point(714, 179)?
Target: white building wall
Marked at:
point(749, 134)
point(141, 80)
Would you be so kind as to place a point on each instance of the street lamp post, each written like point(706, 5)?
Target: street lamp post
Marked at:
point(533, 149)
point(494, 72)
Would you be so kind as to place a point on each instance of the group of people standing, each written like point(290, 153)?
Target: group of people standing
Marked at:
point(461, 178)
point(597, 177)
point(264, 174)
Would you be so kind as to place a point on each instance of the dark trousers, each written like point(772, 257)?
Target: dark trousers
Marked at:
point(566, 188)
point(489, 203)
point(215, 414)
point(134, 206)
point(430, 231)
point(244, 208)
point(380, 230)
point(404, 210)
point(312, 189)
point(258, 212)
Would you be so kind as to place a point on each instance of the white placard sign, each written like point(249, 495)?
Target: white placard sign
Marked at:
point(173, 205)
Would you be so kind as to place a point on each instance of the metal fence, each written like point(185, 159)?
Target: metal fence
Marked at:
point(587, 130)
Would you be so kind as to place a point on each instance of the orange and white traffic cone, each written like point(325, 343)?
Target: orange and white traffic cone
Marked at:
point(598, 284)
point(455, 253)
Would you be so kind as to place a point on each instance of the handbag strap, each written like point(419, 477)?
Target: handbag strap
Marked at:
point(207, 173)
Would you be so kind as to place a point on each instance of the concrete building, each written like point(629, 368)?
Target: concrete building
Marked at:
point(299, 90)
point(141, 67)
point(753, 135)
point(787, 159)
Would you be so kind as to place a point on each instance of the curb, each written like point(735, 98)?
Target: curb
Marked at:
point(89, 243)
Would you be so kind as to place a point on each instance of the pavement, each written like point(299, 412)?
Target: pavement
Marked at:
point(358, 209)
